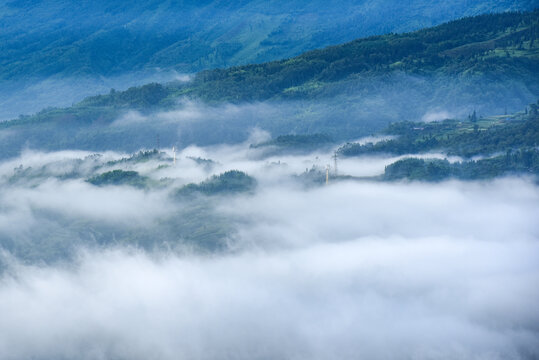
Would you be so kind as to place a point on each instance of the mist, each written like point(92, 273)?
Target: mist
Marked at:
point(432, 297)
point(159, 200)
point(344, 112)
point(357, 268)
point(28, 96)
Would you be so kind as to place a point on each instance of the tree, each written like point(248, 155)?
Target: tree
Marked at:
point(533, 110)
point(473, 118)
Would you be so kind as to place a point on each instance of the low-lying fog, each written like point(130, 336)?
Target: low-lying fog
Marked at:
point(343, 112)
point(26, 97)
point(353, 269)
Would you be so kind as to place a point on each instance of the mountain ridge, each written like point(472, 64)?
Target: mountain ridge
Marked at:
point(56, 52)
point(345, 91)
point(59, 37)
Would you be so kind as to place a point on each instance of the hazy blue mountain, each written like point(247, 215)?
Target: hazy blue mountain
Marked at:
point(78, 48)
point(486, 64)
point(44, 38)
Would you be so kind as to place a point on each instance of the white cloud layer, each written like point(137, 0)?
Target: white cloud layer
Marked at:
point(437, 115)
point(375, 298)
point(351, 270)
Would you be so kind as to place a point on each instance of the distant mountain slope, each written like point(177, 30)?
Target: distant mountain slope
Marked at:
point(56, 52)
point(502, 46)
point(488, 64)
point(41, 38)
point(491, 59)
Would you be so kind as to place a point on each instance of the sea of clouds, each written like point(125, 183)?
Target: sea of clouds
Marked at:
point(354, 269)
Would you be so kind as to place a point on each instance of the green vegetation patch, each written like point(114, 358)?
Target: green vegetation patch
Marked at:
point(297, 141)
point(467, 46)
point(463, 138)
point(146, 96)
point(120, 177)
point(141, 156)
point(524, 161)
point(230, 182)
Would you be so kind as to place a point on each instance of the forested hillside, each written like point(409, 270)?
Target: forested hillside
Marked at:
point(488, 147)
point(56, 52)
point(500, 46)
point(50, 37)
point(466, 138)
point(487, 64)
point(488, 48)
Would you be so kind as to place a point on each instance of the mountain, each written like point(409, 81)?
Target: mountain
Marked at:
point(49, 37)
point(498, 46)
point(487, 63)
point(55, 52)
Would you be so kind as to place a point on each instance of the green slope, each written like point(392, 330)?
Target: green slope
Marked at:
point(56, 52)
point(466, 138)
point(500, 46)
point(487, 63)
point(496, 47)
point(66, 37)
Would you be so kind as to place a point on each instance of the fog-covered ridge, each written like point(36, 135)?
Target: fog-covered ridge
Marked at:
point(288, 269)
